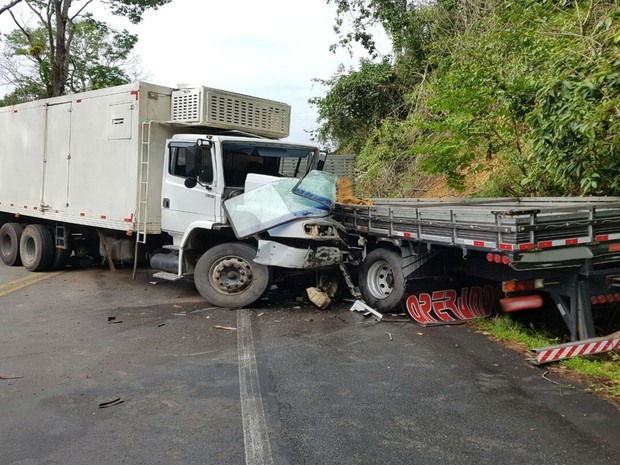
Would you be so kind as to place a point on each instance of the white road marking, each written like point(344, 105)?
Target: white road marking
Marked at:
point(255, 434)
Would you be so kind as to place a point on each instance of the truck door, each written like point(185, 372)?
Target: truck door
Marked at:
point(56, 157)
point(182, 206)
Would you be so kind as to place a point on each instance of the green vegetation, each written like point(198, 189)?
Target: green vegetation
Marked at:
point(516, 97)
point(603, 370)
point(506, 329)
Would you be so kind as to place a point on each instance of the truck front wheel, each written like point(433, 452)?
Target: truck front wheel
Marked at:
point(36, 248)
point(10, 234)
point(381, 280)
point(227, 276)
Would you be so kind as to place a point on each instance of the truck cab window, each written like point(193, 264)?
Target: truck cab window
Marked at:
point(191, 162)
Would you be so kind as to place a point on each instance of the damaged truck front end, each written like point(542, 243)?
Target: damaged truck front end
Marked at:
point(290, 220)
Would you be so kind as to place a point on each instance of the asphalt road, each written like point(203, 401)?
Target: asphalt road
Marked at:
point(281, 383)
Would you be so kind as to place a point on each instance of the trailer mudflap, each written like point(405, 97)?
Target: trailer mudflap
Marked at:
point(591, 346)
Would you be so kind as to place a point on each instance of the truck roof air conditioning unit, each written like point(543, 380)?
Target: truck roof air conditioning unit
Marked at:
point(205, 106)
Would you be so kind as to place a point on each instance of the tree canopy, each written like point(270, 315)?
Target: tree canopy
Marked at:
point(68, 50)
point(514, 97)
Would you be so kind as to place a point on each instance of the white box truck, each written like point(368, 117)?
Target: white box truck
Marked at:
point(143, 170)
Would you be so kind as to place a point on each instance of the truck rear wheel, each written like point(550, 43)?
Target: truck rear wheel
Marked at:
point(61, 258)
point(227, 276)
point(10, 234)
point(381, 280)
point(36, 248)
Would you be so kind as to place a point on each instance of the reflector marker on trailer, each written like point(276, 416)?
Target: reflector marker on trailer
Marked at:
point(526, 246)
point(487, 245)
point(562, 242)
point(505, 246)
point(135, 93)
point(406, 235)
point(607, 237)
point(128, 220)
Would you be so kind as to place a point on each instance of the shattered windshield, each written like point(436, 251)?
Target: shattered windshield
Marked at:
point(280, 202)
point(284, 160)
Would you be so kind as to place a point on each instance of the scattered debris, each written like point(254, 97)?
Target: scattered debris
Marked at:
point(111, 403)
point(9, 377)
point(113, 320)
point(228, 328)
point(390, 335)
point(207, 309)
point(176, 306)
point(318, 297)
point(194, 354)
point(180, 314)
point(544, 376)
point(420, 334)
point(592, 346)
point(161, 324)
point(261, 314)
point(360, 306)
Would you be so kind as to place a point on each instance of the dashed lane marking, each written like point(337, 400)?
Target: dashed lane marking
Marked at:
point(255, 433)
point(20, 283)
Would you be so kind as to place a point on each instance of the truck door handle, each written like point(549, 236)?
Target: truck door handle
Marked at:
point(166, 203)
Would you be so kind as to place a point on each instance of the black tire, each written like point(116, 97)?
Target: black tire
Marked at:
point(381, 280)
point(61, 258)
point(10, 235)
point(36, 248)
point(227, 276)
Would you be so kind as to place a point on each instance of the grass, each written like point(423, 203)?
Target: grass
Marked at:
point(601, 372)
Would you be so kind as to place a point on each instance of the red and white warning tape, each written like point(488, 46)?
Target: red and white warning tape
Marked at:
point(576, 349)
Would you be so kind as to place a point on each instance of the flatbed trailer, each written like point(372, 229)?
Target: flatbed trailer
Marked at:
point(566, 247)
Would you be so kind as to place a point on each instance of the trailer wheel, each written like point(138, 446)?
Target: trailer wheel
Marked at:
point(381, 280)
point(10, 234)
point(61, 258)
point(36, 248)
point(227, 276)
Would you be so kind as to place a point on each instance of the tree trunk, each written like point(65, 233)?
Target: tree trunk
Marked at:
point(60, 57)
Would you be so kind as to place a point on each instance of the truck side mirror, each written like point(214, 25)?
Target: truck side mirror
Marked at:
point(190, 183)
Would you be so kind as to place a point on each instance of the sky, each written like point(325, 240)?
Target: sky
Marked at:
point(268, 48)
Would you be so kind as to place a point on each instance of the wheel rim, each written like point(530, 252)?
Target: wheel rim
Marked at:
point(231, 275)
point(30, 249)
point(6, 245)
point(380, 279)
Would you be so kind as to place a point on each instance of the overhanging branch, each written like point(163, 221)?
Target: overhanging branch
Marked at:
point(9, 5)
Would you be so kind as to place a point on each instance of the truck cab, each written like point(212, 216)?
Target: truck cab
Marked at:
point(202, 171)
